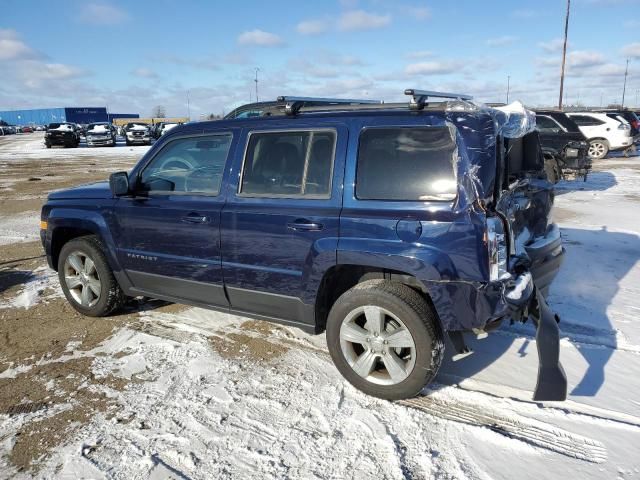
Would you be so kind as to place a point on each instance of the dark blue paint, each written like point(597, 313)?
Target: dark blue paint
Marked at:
point(246, 244)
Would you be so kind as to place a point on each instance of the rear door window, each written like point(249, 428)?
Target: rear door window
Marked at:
point(289, 164)
point(411, 164)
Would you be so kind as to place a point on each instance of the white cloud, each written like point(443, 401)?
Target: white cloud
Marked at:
point(12, 48)
point(632, 50)
point(98, 13)
point(501, 41)
point(260, 38)
point(552, 46)
point(144, 73)
point(605, 70)
point(349, 61)
point(433, 68)
point(419, 54)
point(361, 20)
point(35, 74)
point(312, 27)
point(584, 58)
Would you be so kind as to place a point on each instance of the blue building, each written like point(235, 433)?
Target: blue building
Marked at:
point(44, 116)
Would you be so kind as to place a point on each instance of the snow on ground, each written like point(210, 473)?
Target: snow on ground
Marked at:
point(32, 146)
point(219, 396)
point(19, 228)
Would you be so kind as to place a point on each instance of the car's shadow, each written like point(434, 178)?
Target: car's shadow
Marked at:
point(596, 181)
point(11, 278)
point(581, 294)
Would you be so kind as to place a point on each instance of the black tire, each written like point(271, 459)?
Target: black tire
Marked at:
point(417, 316)
point(111, 296)
point(48, 145)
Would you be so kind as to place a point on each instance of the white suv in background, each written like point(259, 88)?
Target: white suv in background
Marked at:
point(603, 132)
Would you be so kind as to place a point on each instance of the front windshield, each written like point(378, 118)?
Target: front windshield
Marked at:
point(98, 127)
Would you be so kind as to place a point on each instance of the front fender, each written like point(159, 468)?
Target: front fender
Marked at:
point(61, 217)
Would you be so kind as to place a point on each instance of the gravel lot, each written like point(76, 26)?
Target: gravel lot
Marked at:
point(166, 391)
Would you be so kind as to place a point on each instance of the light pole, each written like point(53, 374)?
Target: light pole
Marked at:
point(624, 87)
point(564, 54)
point(508, 86)
point(256, 80)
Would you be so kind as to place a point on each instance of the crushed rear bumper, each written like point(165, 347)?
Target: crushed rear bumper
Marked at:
point(523, 297)
point(527, 301)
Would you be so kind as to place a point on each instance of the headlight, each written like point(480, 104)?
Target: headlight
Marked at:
point(497, 249)
point(571, 152)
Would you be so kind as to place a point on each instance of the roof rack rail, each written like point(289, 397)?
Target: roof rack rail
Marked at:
point(419, 97)
point(294, 104)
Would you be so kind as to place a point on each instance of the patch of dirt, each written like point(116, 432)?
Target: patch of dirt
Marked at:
point(22, 341)
point(29, 182)
point(264, 328)
point(240, 346)
point(17, 262)
point(68, 383)
point(40, 437)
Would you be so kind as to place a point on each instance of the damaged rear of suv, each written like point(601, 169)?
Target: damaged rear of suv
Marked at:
point(389, 226)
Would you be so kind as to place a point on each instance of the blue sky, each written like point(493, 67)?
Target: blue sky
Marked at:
point(132, 56)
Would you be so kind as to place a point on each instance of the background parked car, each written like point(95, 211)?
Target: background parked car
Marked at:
point(63, 134)
point(603, 132)
point(166, 127)
point(155, 130)
point(564, 146)
point(136, 133)
point(101, 134)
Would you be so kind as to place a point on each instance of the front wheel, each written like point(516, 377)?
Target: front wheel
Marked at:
point(598, 149)
point(86, 278)
point(385, 339)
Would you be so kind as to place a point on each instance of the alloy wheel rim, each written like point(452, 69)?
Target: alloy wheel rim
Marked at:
point(377, 345)
point(596, 149)
point(82, 280)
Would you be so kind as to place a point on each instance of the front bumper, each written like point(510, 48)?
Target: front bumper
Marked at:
point(95, 142)
point(140, 140)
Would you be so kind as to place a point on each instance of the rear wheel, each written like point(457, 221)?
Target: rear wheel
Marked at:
point(384, 339)
point(598, 148)
point(86, 278)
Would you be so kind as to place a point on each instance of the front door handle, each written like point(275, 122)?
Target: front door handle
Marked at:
point(195, 218)
point(303, 225)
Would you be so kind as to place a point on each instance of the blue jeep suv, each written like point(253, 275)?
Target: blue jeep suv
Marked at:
point(387, 225)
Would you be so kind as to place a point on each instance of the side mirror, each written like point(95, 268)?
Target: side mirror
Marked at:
point(119, 183)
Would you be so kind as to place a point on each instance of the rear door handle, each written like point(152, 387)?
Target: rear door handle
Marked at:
point(303, 225)
point(195, 218)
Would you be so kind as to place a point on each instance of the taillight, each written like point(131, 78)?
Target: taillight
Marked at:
point(624, 126)
point(496, 248)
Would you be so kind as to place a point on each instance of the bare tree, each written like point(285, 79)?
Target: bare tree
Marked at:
point(213, 116)
point(159, 112)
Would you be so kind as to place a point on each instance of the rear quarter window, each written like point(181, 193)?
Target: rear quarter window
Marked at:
point(406, 164)
point(586, 121)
